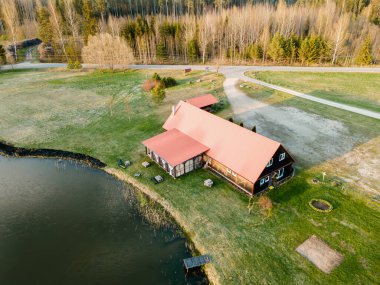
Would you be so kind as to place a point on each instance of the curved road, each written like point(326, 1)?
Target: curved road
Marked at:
point(239, 101)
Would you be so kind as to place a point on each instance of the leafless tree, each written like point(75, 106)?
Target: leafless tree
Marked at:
point(10, 16)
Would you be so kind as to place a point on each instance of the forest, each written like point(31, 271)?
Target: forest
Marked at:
point(328, 32)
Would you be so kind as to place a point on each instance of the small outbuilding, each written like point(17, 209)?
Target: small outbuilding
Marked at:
point(204, 102)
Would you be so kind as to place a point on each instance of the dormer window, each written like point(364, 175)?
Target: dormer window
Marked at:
point(282, 156)
point(270, 162)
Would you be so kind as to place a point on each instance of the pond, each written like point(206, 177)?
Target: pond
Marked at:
point(65, 223)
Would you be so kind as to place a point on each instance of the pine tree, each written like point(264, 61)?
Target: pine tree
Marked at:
point(45, 29)
point(313, 49)
point(193, 50)
point(90, 22)
point(365, 53)
point(276, 49)
point(161, 52)
point(255, 52)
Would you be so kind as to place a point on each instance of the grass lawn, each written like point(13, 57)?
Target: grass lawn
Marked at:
point(86, 112)
point(356, 89)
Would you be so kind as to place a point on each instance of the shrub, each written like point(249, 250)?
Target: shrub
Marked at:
point(77, 65)
point(70, 64)
point(156, 77)
point(168, 82)
point(266, 205)
point(158, 93)
point(149, 84)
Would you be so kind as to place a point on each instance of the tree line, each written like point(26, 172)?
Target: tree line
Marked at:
point(197, 31)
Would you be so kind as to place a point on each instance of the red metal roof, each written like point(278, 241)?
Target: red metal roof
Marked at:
point(203, 100)
point(243, 151)
point(174, 146)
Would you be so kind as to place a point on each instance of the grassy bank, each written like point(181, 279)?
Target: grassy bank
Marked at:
point(356, 89)
point(87, 112)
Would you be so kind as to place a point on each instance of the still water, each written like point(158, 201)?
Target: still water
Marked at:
point(65, 223)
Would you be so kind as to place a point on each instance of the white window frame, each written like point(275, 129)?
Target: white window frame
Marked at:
point(233, 174)
point(282, 157)
point(267, 179)
point(228, 170)
point(270, 162)
point(280, 173)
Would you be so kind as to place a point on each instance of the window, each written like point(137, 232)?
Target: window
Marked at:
point(180, 169)
point(270, 162)
point(228, 170)
point(282, 156)
point(198, 162)
point(233, 174)
point(189, 165)
point(280, 173)
point(264, 180)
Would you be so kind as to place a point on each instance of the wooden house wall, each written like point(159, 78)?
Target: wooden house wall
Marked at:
point(224, 170)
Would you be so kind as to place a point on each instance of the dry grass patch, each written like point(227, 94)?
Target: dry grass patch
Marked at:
point(320, 254)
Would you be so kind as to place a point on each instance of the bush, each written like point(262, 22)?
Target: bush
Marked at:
point(156, 77)
point(266, 205)
point(149, 84)
point(158, 93)
point(70, 64)
point(77, 65)
point(168, 82)
point(74, 64)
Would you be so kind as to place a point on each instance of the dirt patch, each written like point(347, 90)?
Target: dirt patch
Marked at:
point(359, 166)
point(320, 205)
point(10, 150)
point(320, 254)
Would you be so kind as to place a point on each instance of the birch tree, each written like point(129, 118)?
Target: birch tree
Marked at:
point(57, 25)
point(11, 18)
point(340, 36)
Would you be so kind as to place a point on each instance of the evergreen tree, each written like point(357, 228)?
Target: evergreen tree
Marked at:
point(161, 52)
point(193, 50)
point(276, 48)
point(2, 55)
point(45, 29)
point(90, 22)
point(255, 52)
point(365, 53)
point(313, 49)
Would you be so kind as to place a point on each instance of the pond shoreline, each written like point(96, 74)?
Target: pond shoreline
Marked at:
point(10, 150)
point(195, 247)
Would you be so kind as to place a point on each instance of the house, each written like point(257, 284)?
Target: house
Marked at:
point(194, 138)
point(204, 102)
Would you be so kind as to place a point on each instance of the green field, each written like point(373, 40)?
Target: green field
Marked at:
point(356, 89)
point(86, 112)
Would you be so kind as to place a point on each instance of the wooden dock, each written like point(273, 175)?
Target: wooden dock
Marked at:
point(196, 261)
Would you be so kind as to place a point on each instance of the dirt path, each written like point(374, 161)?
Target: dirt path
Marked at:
point(360, 111)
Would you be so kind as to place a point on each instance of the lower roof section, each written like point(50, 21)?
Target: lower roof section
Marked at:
point(175, 147)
